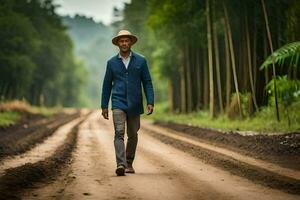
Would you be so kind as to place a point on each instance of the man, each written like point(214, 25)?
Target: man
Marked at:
point(125, 74)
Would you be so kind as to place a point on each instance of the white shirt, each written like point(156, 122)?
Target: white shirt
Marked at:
point(126, 60)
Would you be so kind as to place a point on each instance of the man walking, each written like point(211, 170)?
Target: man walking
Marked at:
point(125, 74)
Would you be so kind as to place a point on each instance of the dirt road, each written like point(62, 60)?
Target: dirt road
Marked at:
point(162, 172)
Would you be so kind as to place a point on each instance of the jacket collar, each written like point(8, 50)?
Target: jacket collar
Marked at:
point(119, 60)
point(132, 54)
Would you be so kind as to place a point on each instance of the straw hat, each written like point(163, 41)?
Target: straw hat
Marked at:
point(123, 33)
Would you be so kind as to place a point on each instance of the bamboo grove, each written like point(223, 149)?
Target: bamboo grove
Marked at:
point(209, 52)
point(36, 55)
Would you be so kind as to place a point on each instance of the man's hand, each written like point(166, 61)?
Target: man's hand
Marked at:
point(105, 113)
point(150, 109)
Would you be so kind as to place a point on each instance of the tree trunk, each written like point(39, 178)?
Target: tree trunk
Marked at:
point(175, 84)
point(188, 79)
point(182, 86)
point(210, 61)
point(265, 57)
point(171, 95)
point(182, 94)
point(228, 67)
point(242, 66)
point(250, 63)
point(217, 58)
point(232, 58)
point(205, 83)
point(272, 56)
point(254, 57)
point(198, 79)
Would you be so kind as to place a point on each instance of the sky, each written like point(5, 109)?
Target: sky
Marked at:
point(99, 10)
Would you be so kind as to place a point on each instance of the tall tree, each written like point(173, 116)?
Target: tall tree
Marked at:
point(217, 60)
point(250, 62)
point(273, 60)
point(227, 63)
point(228, 29)
point(210, 60)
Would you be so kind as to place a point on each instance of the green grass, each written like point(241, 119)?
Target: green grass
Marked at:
point(9, 118)
point(24, 107)
point(44, 111)
point(264, 121)
point(12, 111)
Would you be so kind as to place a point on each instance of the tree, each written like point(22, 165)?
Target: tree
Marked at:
point(273, 61)
point(35, 53)
point(217, 59)
point(250, 63)
point(210, 61)
point(183, 56)
point(228, 29)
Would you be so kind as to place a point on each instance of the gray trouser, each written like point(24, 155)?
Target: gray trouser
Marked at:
point(125, 156)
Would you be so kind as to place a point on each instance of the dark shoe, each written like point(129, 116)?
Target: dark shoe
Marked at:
point(129, 169)
point(120, 171)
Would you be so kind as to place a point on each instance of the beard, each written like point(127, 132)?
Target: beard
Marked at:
point(125, 49)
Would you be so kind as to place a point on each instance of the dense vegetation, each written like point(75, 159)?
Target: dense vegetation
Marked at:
point(205, 56)
point(209, 55)
point(36, 55)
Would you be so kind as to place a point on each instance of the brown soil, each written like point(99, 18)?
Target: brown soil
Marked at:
point(283, 150)
point(29, 131)
point(162, 172)
point(28, 121)
point(83, 167)
point(236, 167)
point(16, 180)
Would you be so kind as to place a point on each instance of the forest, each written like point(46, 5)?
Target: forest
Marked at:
point(217, 55)
point(238, 59)
point(226, 119)
point(37, 61)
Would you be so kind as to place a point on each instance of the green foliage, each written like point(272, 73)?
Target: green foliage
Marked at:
point(263, 122)
point(173, 36)
point(9, 118)
point(18, 43)
point(36, 55)
point(245, 101)
point(288, 54)
point(288, 90)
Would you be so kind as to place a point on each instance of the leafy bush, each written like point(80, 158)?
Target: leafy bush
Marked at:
point(9, 118)
point(288, 91)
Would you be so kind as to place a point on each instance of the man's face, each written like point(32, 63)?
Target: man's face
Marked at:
point(124, 44)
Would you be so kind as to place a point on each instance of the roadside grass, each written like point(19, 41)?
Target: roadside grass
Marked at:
point(12, 111)
point(9, 118)
point(263, 121)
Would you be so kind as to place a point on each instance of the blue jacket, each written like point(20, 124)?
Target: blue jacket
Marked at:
point(126, 84)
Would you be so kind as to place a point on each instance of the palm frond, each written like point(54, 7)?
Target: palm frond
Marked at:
point(289, 51)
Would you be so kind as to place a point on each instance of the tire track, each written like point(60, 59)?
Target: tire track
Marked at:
point(18, 179)
point(162, 172)
point(255, 173)
point(23, 139)
point(41, 150)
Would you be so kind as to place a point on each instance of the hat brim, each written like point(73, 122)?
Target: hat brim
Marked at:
point(132, 37)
